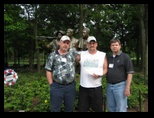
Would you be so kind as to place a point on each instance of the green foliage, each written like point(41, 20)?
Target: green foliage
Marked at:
point(139, 91)
point(31, 93)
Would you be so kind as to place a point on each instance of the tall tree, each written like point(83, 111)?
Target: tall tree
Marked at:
point(144, 37)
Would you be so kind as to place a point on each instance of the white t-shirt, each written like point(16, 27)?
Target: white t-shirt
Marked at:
point(91, 63)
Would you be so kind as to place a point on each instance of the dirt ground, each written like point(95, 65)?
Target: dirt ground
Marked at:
point(137, 109)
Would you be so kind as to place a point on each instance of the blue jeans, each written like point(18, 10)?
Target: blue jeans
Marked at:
point(61, 93)
point(116, 101)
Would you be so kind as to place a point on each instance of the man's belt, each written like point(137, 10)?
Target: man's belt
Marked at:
point(116, 82)
point(65, 84)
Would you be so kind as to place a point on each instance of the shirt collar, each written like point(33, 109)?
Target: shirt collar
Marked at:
point(117, 54)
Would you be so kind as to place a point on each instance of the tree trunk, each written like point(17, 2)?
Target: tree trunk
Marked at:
point(81, 20)
point(36, 41)
point(144, 34)
point(146, 41)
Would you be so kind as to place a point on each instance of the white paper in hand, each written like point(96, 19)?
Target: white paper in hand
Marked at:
point(93, 71)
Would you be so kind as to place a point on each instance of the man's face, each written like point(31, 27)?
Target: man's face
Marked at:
point(92, 45)
point(64, 45)
point(115, 47)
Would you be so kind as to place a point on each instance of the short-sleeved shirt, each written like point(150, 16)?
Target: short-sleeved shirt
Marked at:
point(118, 67)
point(62, 66)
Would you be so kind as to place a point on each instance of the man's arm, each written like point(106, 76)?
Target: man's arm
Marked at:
point(49, 76)
point(105, 66)
point(128, 84)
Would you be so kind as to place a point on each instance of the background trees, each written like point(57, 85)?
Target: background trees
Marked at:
point(24, 22)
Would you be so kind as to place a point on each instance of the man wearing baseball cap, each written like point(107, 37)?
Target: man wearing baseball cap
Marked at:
point(60, 73)
point(91, 38)
point(93, 66)
point(64, 43)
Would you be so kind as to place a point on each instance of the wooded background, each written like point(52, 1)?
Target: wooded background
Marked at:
point(24, 22)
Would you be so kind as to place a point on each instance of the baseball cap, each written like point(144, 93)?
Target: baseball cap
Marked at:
point(91, 38)
point(64, 38)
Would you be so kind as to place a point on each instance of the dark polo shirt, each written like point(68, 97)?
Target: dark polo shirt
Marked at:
point(118, 68)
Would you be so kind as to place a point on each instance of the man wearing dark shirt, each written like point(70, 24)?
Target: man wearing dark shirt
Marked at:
point(119, 78)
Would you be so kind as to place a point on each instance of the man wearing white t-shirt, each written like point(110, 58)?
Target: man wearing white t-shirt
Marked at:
point(93, 67)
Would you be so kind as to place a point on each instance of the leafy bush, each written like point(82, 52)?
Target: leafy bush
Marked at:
point(31, 93)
